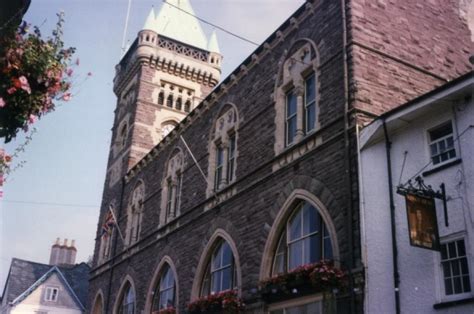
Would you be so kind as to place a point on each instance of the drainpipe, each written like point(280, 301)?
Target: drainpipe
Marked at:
point(396, 275)
point(347, 161)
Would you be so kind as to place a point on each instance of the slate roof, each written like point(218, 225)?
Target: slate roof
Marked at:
point(24, 274)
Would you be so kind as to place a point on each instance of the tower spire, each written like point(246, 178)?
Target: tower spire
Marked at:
point(150, 20)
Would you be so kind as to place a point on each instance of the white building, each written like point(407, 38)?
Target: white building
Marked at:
point(431, 137)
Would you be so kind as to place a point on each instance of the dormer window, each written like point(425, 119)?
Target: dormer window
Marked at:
point(51, 294)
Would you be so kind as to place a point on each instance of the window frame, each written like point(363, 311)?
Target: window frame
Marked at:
point(219, 167)
point(164, 272)
point(231, 156)
point(294, 116)
point(210, 271)
point(442, 285)
point(430, 142)
point(312, 103)
point(49, 295)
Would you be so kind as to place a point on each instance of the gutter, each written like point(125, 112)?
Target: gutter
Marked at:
point(396, 275)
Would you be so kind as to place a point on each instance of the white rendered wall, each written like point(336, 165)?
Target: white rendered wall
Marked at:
point(421, 284)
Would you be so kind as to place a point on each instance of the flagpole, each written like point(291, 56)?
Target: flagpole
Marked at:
point(116, 223)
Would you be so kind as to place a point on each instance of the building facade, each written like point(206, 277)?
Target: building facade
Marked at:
point(277, 186)
point(431, 137)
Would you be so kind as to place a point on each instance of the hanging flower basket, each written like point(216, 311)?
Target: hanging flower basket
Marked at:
point(311, 278)
point(35, 73)
point(226, 302)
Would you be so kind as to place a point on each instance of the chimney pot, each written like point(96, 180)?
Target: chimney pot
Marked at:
point(73, 242)
point(65, 242)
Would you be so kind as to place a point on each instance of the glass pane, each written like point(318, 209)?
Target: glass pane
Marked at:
point(457, 285)
point(291, 130)
point(295, 254)
point(448, 287)
point(170, 278)
point(295, 226)
point(310, 219)
point(446, 270)
point(452, 249)
point(436, 160)
point(227, 278)
point(216, 258)
point(313, 308)
point(290, 104)
point(216, 281)
point(464, 268)
point(466, 284)
point(452, 153)
point(434, 149)
point(279, 266)
point(456, 268)
point(442, 146)
point(310, 89)
point(227, 254)
point(313, 249)
point(450, 142)
point(310, 117)
point(441, 131)
point(461, 248)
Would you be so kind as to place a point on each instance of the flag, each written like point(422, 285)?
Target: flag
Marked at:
point(108, 224)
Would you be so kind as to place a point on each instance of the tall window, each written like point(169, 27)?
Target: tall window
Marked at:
point(161, 98)
point(219, 166)
point(231, 159)
point(290, 117)
point(455, 267)
point(165, 290)
point(127, 303)
point(135, 213)
point(310, 103)
point(442, 143)
point(179, 103)
point(187, 106)
point(305, 240)
point(169, 101)
point(172, 187)
point(296, 96)
point(220, 273)
point(223, 150)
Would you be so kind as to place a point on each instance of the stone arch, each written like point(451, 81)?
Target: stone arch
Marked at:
point(205, 259)
point(225, 123)
point(285, 211)
point(128, 279)
point(174, 166)
point(166, 260)
point(98, 303)
point(291, 79)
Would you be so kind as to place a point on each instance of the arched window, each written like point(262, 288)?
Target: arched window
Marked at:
point(161, 98)
point(179, 103)
point(220, 274)
point(172, 187)
point(123, 133)
point(223, 150)
point(165, 291)
point(296, 95)
point(106, 235)
point(169, 101)
point(127, 300)
point(187, 106)
point(167, 127)
point(135, 211)
point(98, 305)
point(304, 240)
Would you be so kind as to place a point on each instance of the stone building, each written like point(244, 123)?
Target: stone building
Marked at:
point(276, 143)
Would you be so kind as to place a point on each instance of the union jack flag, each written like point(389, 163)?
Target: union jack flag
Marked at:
point(108, 224)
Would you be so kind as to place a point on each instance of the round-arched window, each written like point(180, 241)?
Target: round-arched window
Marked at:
point(165, 291)
point(305, 240)
point(220, 272)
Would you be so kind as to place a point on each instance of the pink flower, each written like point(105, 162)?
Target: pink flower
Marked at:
point(23, 80)
point(69, 72)
point(11, 90)
point(67, 97)
point(32, 119)
point(2, 102)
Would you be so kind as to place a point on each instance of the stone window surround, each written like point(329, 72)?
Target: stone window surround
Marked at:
point(121, 136)
point(293, 77)
point(106, 244)
point(280, 223)
point(118, 301)
point(98, 303)
point(166, 260)
point(220, 138)
point(175, 167)
point(205, 259)
point(176, 92)
point(135, 213)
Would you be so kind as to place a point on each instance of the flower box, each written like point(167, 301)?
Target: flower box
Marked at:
point(226, 302)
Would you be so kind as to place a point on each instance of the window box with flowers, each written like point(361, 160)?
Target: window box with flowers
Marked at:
point(226, 302)
point(321, 277)
point(168, 310)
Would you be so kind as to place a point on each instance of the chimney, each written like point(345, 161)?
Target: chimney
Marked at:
point(63, 254)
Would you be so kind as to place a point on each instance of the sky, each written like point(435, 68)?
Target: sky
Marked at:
point(58, 190)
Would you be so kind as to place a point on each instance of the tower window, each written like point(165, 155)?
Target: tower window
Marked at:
point(169, 101)
point(179, 104)
point(161, 98)
point(187, 106)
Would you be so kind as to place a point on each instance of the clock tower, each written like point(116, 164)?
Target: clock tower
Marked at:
point(170, 67)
